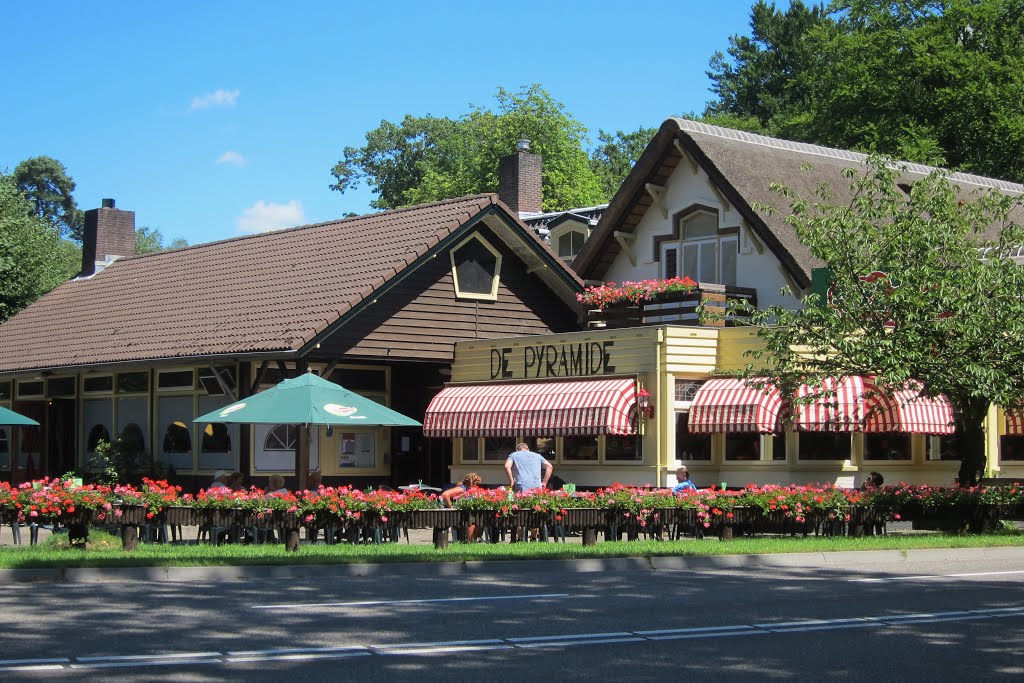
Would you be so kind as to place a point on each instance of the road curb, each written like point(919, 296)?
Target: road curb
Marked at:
point(443, 569)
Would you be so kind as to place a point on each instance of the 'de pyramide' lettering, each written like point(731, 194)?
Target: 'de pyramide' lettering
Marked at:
point(549, 360)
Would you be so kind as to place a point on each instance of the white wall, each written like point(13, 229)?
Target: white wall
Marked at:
point(761, 271)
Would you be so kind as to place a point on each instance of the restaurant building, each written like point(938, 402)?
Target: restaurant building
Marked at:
point(137, 346)
point(693, 205)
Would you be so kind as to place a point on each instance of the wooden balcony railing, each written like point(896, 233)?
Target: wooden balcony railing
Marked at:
point(674, 309)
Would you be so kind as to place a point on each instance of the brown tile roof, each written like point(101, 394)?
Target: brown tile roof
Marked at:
point(271, 292)
point(743, 166)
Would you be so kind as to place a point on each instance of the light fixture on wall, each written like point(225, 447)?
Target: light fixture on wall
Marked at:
point(644, 405)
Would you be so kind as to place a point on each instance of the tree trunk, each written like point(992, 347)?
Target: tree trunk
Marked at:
point(972, 445)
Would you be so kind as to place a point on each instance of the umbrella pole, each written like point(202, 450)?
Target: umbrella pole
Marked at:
point(302, 456)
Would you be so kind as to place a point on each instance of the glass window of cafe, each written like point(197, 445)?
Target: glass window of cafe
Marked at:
point(567, 450)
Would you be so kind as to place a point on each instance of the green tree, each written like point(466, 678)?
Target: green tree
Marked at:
point(150, 240)
point(933, 81)
point(615, 154)
point(912, 297)
point(46, 183)
point(33, 257)
point(429, 158)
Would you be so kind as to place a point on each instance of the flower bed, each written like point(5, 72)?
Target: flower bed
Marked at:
point(755, 509)
point(609, 293)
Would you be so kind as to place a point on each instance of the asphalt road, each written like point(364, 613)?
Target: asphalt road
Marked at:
point(957, 617)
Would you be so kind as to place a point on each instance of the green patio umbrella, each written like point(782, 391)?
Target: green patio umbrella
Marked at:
point(9, 417)
point(308, 400)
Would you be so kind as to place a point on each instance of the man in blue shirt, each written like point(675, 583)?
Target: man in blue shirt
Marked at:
point(527, 470)
point(683, 477)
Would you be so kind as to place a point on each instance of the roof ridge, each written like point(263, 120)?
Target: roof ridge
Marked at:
point(335, 221)
point(692, 126)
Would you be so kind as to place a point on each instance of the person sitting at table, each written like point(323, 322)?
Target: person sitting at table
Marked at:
point(469, 481)
point(275, 485)
point(236, 481)
point(220, 480)
point(683, 479)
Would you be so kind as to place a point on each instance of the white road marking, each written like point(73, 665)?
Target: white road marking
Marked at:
point(517, 643)
point(294, 651)
point(924, 577)
point(176, 655)
point(378, 603)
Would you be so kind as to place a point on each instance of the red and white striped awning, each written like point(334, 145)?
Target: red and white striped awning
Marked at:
point(853, 404)
point(1015, 422)
point(906, 410)
point(559, 408)
point(731, 405)
point(838, 406)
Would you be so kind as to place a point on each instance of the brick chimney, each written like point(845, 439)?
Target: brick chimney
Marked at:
point(519, 180)
point(108, 233)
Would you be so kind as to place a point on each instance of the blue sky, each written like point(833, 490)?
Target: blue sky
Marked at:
point(215, 119)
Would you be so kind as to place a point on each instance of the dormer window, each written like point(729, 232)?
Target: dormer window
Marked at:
point(476, 268)
point(569, 244)
point(699, 248)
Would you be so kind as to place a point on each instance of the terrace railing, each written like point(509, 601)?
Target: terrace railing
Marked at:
point(679, 308)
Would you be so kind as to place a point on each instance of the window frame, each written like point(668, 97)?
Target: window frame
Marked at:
point(495, 276)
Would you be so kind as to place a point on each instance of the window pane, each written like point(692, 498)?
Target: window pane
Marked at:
point(281, 438)
point(30, 388)
point(690, 446)
point(670, 263)
point(475, 267)
point(778, 446)
point(545, 445)
point(181, 379)
point(691, 259)
point(620, 448)
point(97, 423)
point(700, 224)
point(498, 447)
point(357, 449)
point(98, 384)
point(742, 446)
point(824, 446)
point(133, 382)
point(577, 241)
point(707, 262)
point(133, 423)
point(946, 447)
point(579, 448)
point(216, 440)
point(471, 449)
point(5, 449)
point(60, 386)
point(729, 261)
point(174, 429)
point(565, 245)
point(1011, 448)
point(5, 391)
point(887, 446)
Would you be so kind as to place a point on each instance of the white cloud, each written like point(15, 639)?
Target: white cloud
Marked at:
point(217, 98)
point(266, 216)
point(232, 158)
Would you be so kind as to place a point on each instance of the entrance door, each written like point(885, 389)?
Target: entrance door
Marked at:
point(60, 437)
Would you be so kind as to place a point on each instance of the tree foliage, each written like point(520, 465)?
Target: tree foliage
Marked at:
point(33, 257)
point(931, 81)
point(46, 183)
point(615, 156)
point(150, 240)
point(428, 158)
point(911, 298)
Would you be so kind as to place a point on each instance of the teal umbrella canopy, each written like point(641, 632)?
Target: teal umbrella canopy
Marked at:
point(309, 400)
point(9, 417)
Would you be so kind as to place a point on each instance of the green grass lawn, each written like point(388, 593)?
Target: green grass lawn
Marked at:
point(105, 551)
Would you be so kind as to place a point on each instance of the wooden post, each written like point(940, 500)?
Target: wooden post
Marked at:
point(129, 537)
point(590, 536)
point(726, 533)
point(291, 539)
point(440, 537)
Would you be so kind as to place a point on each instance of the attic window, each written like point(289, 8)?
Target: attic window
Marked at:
point(570, 243)
point(476, 269)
